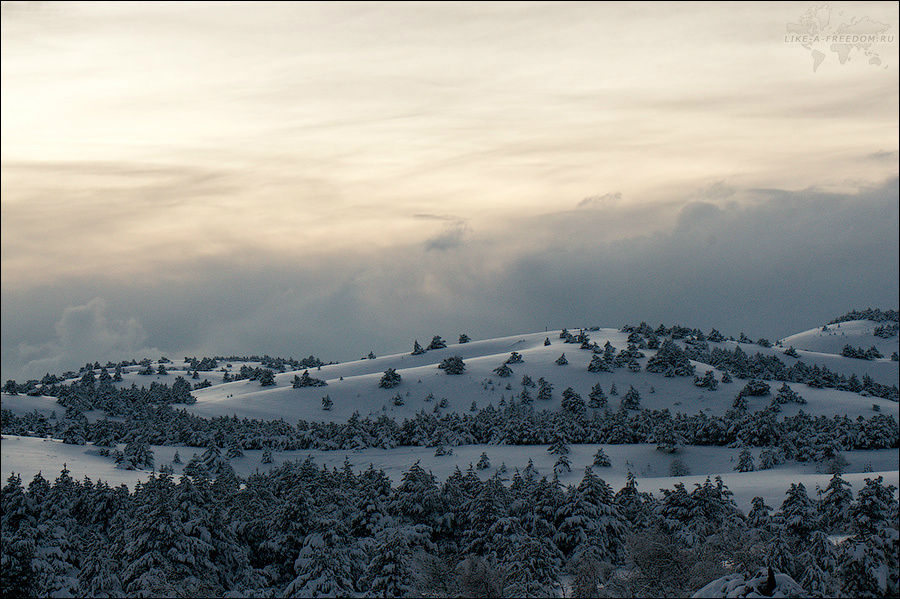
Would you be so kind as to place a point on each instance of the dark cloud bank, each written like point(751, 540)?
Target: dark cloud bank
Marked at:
point(771, 265)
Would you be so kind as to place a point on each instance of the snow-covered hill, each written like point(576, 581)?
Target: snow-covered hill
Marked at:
point(831, 339)
point(353, 386)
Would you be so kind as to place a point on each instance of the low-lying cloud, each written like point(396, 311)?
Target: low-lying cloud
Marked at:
point(85, 330)
point(771, 264)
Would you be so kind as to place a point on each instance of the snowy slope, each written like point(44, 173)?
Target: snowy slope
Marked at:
point(857, 333)
point(23, 404)
point(359, 391)
point(29, 455)
point(353, 386)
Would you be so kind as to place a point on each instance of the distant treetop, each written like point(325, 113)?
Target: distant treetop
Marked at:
point(873, 314)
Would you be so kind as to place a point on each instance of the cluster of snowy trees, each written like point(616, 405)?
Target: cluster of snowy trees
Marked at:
point(873, 314)
point(801, 437)
point(437, 342)
point(886, 331)
point(739, 364)
point(301, 530)
point(44, 386)
point(672, 360)
point(859, 353)
point(304, 380)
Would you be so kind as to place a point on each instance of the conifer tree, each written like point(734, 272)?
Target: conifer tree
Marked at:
point(305, 380)
point(598, 364)
point(572, 402)
point(324, 565)
point(503, 371)
point(798, 514)
point(545, 390)
point(760, 514)
point(632, 399)
point(597, 398)
point(745, 461)
point(707, 382)
point(668, 439)
point(562, 465)
point(601, 460)
point(452, 365)
point(137, 454)
point(437, 343)
point(834, 506)
point(390, 379)
point(514, 358)
point(483, 462)
point(869, 561)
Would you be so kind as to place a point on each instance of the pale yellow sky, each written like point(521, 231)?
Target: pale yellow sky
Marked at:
point(142, 136)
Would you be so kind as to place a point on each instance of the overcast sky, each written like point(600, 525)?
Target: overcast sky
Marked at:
point(336, 178)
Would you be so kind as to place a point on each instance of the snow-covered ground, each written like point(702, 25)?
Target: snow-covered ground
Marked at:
point(856, 333)
point(29, 455)
point(353, 387)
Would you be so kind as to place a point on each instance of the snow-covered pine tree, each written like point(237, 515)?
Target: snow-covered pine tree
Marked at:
point(599, 364)
point(390, 379)
point(834, 505)
point(869, 559)
point(452, 365)
point(545, 390)
point(266, 378)
point(324, 567)
point(503, 371)
point(530, 565)
point(707, 382)
point(597, 398)
point(233, 448)
point(390, 572)
point(572, 402)
point(601, 460)
point(137, 454)
point(483, 462)
point(514, 358)
point(798, 514)
point(745, 461)
point(562, 465)
point(760, 514)
point(668, 439)
point(631, 400)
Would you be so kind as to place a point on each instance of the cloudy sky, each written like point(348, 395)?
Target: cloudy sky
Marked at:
point(332, 178)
